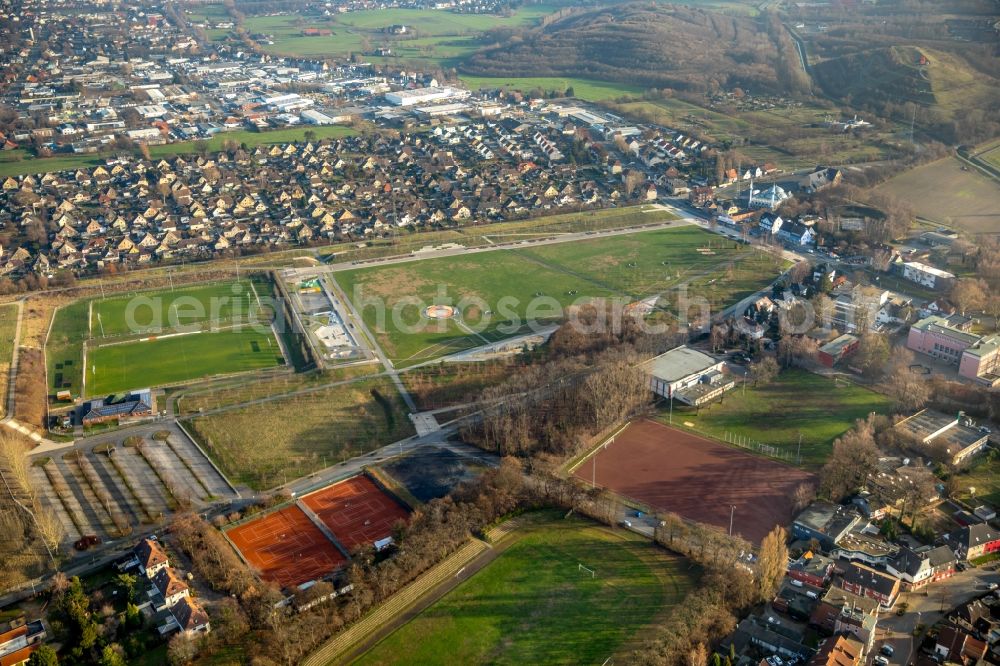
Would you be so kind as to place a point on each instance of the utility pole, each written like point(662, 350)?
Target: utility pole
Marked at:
point(732, 513)
point(798, 453)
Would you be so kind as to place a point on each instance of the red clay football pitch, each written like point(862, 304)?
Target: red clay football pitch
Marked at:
point(356, 510)
point(286, 547)
point(696, 478)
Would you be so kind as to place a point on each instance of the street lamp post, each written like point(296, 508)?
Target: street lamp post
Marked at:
point(732, 512)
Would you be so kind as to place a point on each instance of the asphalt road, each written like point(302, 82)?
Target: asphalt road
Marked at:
point(929, 608)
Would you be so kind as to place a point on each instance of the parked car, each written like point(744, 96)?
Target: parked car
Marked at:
point(87, 541)
point(881, 661)
point(887, 650)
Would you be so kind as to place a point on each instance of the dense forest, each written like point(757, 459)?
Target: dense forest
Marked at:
point(653, 45)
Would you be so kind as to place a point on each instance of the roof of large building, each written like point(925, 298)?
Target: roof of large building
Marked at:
point(939, 325)
point(930, 270)
point(870, 579)
point(832, 520)
point(679, 363)
point(929, 426)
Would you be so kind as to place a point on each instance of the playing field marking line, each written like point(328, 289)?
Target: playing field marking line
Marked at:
point(597, 448)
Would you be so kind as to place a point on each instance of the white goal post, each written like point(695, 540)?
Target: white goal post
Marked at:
point(580, 567)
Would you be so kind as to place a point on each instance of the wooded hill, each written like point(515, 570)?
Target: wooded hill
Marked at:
point(653, 45)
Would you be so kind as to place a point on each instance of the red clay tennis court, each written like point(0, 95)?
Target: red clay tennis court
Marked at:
point(696, 478)
point(286, 547)
point(356, 510)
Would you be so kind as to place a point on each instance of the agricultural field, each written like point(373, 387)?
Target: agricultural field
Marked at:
point(434, 35)
point(537, 284)
point(170, 360)
point(585, 89)
point(796, 403)
point(535, 604)
point(263, 445)
point(949, 193)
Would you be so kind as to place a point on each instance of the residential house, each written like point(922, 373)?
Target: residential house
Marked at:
point(917, 569)
point(865, 581)
point(795, 232)
point(171, 588)
point(152, 558)
point(811, 569)
point(973, 541)
point(191, 617)
point(17, 643)
point(839, 651)
point(954, 645)
point(928, 276)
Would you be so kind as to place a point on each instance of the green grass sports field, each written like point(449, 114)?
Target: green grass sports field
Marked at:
point(797, 402)
point(535, 605)
point(117, 361)
point(166, 310)
point(64, 348)
point(160, 361)
point(501, 290)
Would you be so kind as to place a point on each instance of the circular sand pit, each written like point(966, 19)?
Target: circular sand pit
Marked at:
point(440, 312)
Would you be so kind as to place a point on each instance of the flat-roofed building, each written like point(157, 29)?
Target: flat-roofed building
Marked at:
point(959, 438)
point(933, 336)
point(927, 276)
point(688, 375)
point(837, 349)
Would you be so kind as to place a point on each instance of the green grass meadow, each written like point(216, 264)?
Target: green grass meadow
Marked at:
point(585, 89)
point(534, 605)
point(536, 284)
point(435, 35)
point(8, 324)
point(161, 361)
point(796, 403)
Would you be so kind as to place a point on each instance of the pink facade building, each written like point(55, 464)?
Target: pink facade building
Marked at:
point(976, 356)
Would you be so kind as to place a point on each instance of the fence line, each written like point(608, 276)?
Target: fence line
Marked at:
point(745, 442)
